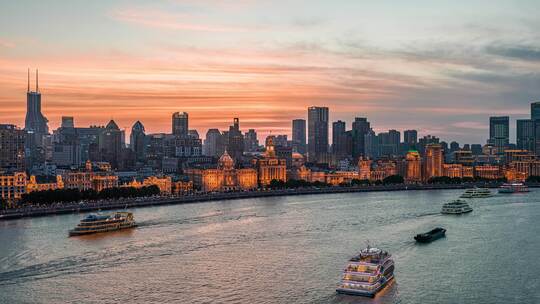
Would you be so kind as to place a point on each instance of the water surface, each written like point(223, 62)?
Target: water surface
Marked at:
point(280, 250)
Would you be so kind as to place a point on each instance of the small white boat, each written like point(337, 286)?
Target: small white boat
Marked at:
point(456, 207)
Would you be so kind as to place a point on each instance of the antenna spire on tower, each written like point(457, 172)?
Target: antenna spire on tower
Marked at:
point(28, 90)
point(37, 83)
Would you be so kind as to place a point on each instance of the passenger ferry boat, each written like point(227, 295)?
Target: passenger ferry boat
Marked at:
point(95, 223)
point(476, 193)
point(513, 188)
point(456, 207)
point(367, 273)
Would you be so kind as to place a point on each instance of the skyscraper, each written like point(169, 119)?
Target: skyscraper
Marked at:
point(371, 145)
point(138, 141)
point(213, 143)
point(317, 134)
point(68, 122)
point(235, 143)
point(525, 134)
point(434, 161)
point(394, 137)
point(299, 135)
point(251, 142)
point(12, 142)
point(499, 133)
point(180, 126)
point(360, 127)
point(410, 137)
point(535, 110)
point(339, 140)
point(535, 117)
point(110, 144)
point(35, 123)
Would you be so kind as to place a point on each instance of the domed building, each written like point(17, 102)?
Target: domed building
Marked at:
point(225, 161)
point(223, 178)
point(297, 160)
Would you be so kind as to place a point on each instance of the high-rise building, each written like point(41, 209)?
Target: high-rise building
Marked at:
point(66, 145)
point(12, 144)
point(395, 139)
point(317, 134)
point(110, 144)
point(410, 137)
point(476, 149)
point(138, 141)
point(424, 141)
point(535, 117)
point(389, 142)
point(68, 122)
point(251, 142)
point(35, 124)
point(360, 127)
point(537, 137)
point(433, 161)
point(281, 140)
point(194, 134)
point(371, 145)
point(535, 110)
point(235, 142)
point(454, 146)
point(299, 135)
point(525, 134)
point(499, 132)
point(180, 125)
point(339, 140)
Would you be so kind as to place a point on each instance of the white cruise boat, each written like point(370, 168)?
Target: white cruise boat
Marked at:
point(513, 188)
point(476, 193)
point(456, 207)
point(367, 273)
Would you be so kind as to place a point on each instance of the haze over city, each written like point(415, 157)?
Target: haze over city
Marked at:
point(441, 68)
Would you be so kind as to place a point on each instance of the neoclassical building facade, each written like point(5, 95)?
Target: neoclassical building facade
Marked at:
point(223, 178)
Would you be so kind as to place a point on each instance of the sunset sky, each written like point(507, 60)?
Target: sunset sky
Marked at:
point(442, 67)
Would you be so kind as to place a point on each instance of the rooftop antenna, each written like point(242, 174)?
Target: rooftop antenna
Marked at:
point(28, 90)
point(37, 83)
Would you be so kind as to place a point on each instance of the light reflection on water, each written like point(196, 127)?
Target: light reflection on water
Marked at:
point(279, 250)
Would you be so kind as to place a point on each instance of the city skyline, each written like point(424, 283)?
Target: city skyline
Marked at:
point(511, 135)
point(145, 61)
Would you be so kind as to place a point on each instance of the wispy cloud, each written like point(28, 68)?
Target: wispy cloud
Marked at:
point(7, 44)
point(172, 21)
point(520, 52)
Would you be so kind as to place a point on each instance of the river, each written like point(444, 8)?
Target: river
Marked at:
point(280, 250)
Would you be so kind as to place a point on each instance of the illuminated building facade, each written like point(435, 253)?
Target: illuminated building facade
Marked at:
point(271, 167)
point(182, 187)
point(433, 161)
point(453, 170)
point(90, 179)
point(364, 168)
point(13, 186)
point(414, 167)
point(33, 185)
point(223, 178)
point(488, 172)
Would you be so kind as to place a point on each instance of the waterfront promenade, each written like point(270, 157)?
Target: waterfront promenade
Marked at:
point(77, 207)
